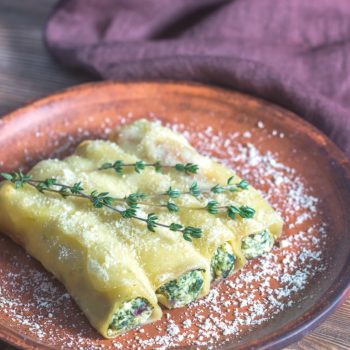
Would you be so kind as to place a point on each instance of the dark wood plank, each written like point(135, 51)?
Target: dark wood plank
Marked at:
point(334, 333)
point(28, 72)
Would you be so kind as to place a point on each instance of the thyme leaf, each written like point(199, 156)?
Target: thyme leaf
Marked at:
point(188, 168)
point(212, 207)
point(172, 207)
point(194, 189)
point(173, 193)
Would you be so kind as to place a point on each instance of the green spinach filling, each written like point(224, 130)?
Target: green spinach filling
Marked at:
point(132, 313)
point(183, 290)
point(222, 262)
point(256, 244)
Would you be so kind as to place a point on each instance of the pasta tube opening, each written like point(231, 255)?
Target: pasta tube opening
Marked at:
point(222, 262)
point(129, 315)
point(183, 290)
point(256, 244)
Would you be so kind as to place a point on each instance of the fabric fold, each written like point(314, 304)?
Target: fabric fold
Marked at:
point(295, 54)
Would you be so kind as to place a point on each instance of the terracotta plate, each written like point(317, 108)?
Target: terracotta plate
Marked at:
point(275, 299)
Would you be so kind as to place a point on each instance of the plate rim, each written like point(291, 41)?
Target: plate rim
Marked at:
point(323, 307)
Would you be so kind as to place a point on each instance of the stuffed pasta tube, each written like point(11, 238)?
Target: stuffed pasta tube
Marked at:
point(100, 273)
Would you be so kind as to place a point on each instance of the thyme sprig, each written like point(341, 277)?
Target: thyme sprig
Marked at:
point(212, 207)
point(196, 191)
point(119, 166)
point(100, 200)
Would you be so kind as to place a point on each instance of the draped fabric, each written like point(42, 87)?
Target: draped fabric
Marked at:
point(293, 53)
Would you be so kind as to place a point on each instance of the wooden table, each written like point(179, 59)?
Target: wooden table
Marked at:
point(27, 72)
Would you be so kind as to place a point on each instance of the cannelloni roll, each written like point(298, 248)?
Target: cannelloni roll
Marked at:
point(100, 273)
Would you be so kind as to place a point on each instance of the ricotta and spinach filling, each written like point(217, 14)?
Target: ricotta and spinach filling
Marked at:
point(222, 262)
point(131, 314)
point(256, 244)
point(183, 290)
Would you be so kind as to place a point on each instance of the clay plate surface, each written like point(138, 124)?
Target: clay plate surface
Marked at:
point(274, 300)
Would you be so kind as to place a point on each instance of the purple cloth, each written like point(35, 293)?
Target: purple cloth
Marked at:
point(293, 53)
